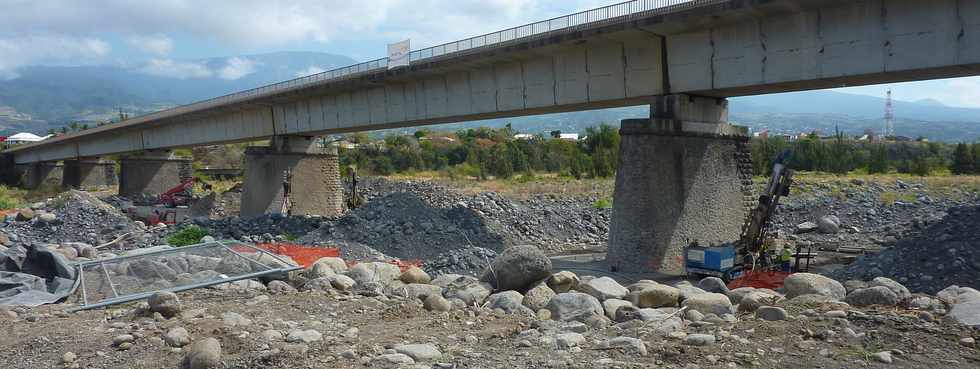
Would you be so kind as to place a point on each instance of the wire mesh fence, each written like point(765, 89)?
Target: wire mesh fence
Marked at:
point(129, 278)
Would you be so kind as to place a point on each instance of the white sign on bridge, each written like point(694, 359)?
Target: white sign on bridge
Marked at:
point(398, 54)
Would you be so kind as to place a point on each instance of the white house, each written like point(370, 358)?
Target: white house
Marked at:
point(25, 137)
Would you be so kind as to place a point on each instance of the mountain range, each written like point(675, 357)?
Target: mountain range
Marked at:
point(48, 97)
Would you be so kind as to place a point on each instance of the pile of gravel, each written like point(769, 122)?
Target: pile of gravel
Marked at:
point(550, 222)
point(78, 217)
point(865, 220)
point(944, 253)
point(402, 225)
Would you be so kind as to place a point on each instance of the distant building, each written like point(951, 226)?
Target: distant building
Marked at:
point(23, 138)
point(568, 136)
point(439, 139)
point(523, 136)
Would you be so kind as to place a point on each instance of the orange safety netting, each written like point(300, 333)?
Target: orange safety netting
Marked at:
point(766, 279)
point(302, 255)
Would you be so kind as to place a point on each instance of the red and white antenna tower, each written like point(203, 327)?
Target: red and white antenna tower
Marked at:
point(889, 116)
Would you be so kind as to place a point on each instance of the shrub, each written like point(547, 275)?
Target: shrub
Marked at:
point(603, 203)
point(187, 236)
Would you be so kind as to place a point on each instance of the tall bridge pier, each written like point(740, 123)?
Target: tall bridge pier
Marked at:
point(311, 171)
point(683, 176)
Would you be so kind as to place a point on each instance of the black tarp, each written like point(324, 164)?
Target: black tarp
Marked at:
point(34, 276)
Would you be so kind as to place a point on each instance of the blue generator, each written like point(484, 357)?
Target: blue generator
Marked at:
point(718, 261)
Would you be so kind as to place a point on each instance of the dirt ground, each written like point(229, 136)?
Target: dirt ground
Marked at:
point(467, 338)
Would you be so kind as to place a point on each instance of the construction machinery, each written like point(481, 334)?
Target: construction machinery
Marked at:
point(182, 194)
point(751, 252)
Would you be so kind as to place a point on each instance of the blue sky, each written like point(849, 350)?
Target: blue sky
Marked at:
point(163, 36)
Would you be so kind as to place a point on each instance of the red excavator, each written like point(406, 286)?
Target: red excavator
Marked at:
point(182, 194)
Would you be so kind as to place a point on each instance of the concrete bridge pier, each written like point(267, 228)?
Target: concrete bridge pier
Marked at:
point(313, 177)
point(41, 173)
point(684, 175)
point(152, 172)
point(89, 172)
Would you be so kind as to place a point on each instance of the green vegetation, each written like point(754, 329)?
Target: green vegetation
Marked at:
point(10, 197)
point(485, 153)
point(188, 235)
point(603, 203)
point(840, 155)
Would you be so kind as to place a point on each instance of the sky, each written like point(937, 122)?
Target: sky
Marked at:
point(164, 37)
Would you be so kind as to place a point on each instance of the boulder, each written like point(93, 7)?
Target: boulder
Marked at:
point(563, 281)
point(687, 290)
point(537, 297)
point(706, 303)
point(377, 272)
point(280, 288)
point(603, 288)
point(418, 291)
point(806, 227)
point(808, 283)
point(641, 284)
point(47, 218)
point(713, 284)
point(333, 264)
point(965, 304)
point(446, 279)
point(517, 268)
point(341, 282)
point(574, 306)
point(611, 305)
point(177, 337)
point(415, 275)
point(853, 284)
point(321, 284)
point(655, 296)
point(877, 295)
point(771, 313)
point(165, 303)
point(757, 299)
point(629, 344)
point(737, 294)
point(203, 354)
point(437, 303)
point(303, 336)
point(473, 293)
point(419, 351)
point(828, 224)
point(899, 290)
point(24, 215)
point(509, 302)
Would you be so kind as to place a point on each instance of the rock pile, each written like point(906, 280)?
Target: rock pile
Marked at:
point(942, 254)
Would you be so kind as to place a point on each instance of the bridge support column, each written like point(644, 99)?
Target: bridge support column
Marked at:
point(42, 173)
point(684, 175)
point(152, 172)
point(89, 172)
point(313, 176)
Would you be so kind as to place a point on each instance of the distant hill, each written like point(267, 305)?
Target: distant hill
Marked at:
point(60, 94)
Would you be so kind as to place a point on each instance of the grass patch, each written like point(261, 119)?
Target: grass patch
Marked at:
point(290, 237)
point(603, 203)
point(890, 197)
point(10, 197)
point(188, 235)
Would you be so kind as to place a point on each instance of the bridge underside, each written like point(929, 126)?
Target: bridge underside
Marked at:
point(741, 48)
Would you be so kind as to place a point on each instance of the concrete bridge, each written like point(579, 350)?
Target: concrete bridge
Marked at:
point(682, 173)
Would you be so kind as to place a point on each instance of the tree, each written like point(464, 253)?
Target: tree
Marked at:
point(878, 160)
point(963, 160)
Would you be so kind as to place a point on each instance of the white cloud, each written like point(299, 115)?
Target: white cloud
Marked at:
point(310, 71)
point(262, 23)
point(237, 68)
point(159, 45)
point(16, 52)
point(176, 69)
